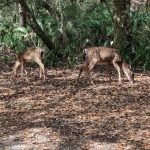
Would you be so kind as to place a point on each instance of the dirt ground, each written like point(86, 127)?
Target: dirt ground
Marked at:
point(56, 114)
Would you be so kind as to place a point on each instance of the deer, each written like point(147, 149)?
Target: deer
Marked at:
point(30, 54)
point(104, 55)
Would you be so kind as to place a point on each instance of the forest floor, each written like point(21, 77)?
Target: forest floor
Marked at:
point(57, 114)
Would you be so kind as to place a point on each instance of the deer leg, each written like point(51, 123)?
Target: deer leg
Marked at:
point(39, 62)
point(90, 67)
point(118, 70)
point(15, 67)
point(22, 69)
point(25, 71)
point(109, 72)
point(41, 67)
point(40, 72)
point(82, 68)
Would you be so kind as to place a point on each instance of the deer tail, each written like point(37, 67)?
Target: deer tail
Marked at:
point(84, 54)
point(42, 53)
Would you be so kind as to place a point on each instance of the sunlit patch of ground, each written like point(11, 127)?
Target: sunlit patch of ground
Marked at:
point(57, 114)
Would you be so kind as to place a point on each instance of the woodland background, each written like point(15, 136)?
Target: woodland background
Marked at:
point(57, 114)
point(65, 27)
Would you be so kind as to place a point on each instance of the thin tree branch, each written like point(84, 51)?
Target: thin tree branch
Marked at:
point(109, 10)
point(53, 12)
point(35, 26)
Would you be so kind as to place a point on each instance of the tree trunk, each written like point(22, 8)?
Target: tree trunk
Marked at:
point(22, 17)
point(128, 31)
point(122, 25)
point(35, 26)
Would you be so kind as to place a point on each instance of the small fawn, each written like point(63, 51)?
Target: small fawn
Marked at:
point(30, 54)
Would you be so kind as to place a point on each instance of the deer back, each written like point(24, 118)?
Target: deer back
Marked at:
point(32, 53)
point(102, 54)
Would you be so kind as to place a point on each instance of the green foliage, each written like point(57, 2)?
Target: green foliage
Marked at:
point(69, 24)
point(79, 24)
point(13, 36)
point(141, 38)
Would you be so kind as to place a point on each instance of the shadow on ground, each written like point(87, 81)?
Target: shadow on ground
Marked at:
point(56, 114)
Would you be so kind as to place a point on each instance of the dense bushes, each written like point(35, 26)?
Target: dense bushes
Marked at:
point(141, 37)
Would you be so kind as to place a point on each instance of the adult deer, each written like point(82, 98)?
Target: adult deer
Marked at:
point(104, 55)
point(30, 54)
